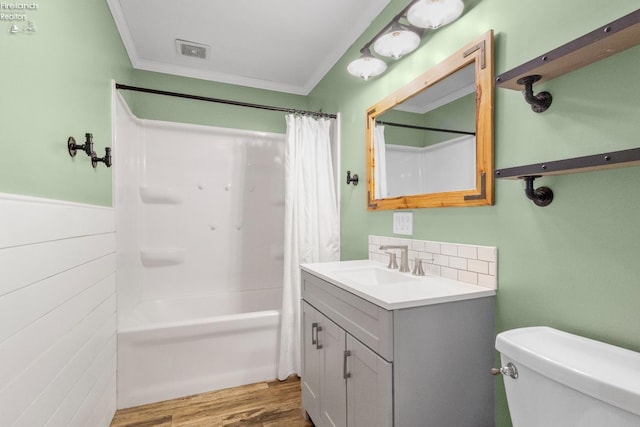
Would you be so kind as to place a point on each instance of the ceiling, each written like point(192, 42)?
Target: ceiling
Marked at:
point(280, 45)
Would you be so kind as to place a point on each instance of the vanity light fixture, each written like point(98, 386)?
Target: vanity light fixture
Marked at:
point(398, 38)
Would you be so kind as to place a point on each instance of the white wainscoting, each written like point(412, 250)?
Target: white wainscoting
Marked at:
point(57, 313)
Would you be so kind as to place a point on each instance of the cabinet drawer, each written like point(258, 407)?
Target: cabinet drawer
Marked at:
point(367, 322)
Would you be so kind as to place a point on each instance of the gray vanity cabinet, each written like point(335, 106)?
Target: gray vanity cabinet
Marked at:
point(426, 366)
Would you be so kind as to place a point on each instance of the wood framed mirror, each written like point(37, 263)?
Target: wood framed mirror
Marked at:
point(430, 143)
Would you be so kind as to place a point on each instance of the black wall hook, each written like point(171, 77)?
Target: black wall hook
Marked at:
point(539, 102)
point(353, 179)
point(87, 147)
point(541, 196)
point(106, 159)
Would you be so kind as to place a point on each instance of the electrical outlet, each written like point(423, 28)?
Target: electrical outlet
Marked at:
point(403, 223)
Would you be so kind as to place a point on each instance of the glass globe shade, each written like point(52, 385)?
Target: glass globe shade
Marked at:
point(397, 43)
point(366, 66)
point(434, 13)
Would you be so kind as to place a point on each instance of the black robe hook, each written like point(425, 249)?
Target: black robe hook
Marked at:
point(87, 147)
point(350, 179)
point(107, 160)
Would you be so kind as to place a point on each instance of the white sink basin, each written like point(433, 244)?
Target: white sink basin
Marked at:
point(391, 289)
point(372, 276)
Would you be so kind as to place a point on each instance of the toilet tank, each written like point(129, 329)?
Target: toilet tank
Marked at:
point(565, 380)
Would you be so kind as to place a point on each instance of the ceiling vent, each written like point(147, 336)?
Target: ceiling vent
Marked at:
point(194, 50)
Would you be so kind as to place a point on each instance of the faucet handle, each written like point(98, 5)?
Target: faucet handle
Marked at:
point(393, 262)
point(417, 267)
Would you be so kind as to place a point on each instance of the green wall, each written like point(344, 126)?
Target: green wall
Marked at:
point(573, 264)
point(56, 83)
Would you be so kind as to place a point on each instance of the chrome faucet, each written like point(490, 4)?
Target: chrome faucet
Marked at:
point(404, 255)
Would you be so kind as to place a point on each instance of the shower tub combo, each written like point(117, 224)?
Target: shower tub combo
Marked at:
point(177, 347)
point(199, 218)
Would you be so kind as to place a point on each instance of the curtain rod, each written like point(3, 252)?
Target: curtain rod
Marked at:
point(225, 101)
point(400, 125)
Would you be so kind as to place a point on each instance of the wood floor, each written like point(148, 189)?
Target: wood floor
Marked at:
point(267, 404)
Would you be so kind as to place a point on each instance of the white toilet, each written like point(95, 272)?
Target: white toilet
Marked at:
point(556, 379)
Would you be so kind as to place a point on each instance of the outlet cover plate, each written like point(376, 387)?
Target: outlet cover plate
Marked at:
point(403, 223)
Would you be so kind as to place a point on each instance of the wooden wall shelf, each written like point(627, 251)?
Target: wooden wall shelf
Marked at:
point(603, 42)
point(614, 159)
point(543, 196)
point(600, 43)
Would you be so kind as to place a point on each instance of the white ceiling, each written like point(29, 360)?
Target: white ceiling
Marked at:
point(281, 45)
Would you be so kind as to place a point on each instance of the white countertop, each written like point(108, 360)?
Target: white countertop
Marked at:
point(408, 291)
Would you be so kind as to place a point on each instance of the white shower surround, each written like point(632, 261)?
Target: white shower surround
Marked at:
point(199, 219)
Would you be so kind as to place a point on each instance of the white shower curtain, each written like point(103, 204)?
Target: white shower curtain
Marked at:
point(380, 159)
point(311, 222)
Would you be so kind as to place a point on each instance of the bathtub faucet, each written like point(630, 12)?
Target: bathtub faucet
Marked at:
point(404, 255)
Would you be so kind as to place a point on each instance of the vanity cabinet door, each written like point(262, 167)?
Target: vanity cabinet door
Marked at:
point(369, 387)
point(324, 389)
point(310, 362)
point(333, 389)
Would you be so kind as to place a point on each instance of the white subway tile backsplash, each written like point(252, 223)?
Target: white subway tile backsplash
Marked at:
point(493, 269)
point(449, 273)
point(468, 277)
point(432, 247)
point(447, 249)
point(434, 270)
point(470, 252)
point(404, 242)
point(486, 253)
point(477, 265)
point(487, 281)
point(441, 260)
point(458, 263)
point(418, 245)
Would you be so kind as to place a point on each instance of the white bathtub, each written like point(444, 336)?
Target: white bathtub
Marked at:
point(179, 347)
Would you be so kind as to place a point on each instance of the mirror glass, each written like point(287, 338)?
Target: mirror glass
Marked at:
point(430, 144)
